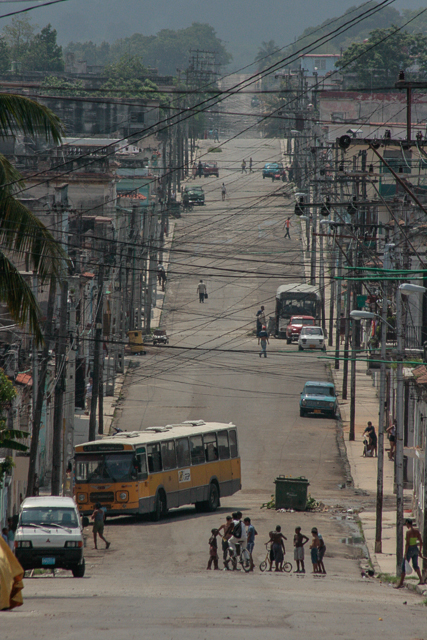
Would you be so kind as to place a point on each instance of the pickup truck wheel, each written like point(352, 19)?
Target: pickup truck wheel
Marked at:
point(79, 570)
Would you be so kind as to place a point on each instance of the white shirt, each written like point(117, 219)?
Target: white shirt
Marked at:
point(201, 287)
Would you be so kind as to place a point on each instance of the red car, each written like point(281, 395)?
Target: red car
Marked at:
point(296, 323)
point(210, 169)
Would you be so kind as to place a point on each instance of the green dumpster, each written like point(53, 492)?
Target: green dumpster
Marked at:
point(291, 493)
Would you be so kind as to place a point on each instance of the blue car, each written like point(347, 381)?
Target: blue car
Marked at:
point(319, 398)
point(272, 170)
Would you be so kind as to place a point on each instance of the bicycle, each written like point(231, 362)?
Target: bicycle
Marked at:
point(242, 557)
point(286, 566)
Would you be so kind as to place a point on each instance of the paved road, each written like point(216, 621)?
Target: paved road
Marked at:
point(152, 581)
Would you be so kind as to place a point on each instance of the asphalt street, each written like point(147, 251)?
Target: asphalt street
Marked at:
point(153, 580)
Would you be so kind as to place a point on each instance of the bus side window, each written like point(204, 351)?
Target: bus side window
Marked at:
point(196, 448)
point(168, 455)
point(154, 458)
point(182, 453)
point(233, 443)
point(141, 464)
point(223, 448)
point(211, 447)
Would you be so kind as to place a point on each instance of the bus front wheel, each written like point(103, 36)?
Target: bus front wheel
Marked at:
point(212, 503)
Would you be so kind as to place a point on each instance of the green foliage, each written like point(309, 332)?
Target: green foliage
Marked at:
point(214, 150)
point(312, 503)
point(126, 80)
point(380, 66)
point(8, 437)
point(7, 391)
point(93, 54)
point(44, 54)
point(269, 505)
point(54, 86)
point(4, 56)
point(6, 468)
point(18, 36)
point(269, 53)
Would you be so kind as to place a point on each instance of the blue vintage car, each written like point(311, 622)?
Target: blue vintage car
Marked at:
point(273, 170)
point(320, 398)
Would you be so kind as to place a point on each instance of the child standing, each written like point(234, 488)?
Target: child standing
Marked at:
point(315, 544)
point(213, 550)
point(299, 541)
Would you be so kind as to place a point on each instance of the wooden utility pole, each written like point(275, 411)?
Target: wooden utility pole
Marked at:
point(96, 352)
point(39, 390)
point(58, 414)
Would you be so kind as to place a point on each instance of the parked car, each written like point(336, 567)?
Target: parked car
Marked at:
point(210, 169)
point(311, 338)
point(196, 195)
point(274, 170)
point(319, 398)
point(50, 535)
point(296, 323)
point(160, 337)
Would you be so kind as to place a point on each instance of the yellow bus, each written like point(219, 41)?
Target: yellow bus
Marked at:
point(151, 471)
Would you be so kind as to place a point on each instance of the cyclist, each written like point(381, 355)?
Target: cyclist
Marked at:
point(239, 537)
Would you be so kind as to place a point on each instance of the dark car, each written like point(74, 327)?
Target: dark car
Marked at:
point(196, 195)
point(319, 398)
point(296, 323)
point(210, 169)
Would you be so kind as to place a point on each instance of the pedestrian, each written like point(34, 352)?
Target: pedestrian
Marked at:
point(342, 327)
point(89, 390)
point(392, 439)
point(321, 553)
point(250, 165)
point(250, 544)
point(213, 550)
point(11, 534)
point(278, 547)
point(202, 291)
point(160, 272)
point(263, 339)
point(314, 547)
point(98, 517)
point(200, 169)
point(244, 166)
point(4, 535)
point(372, 444)
point(299, 541)
point(223, 191)
point(287, 226)
point(194, 171)
point(216, 136)
point(413, 549)
point(260, 319)
point(239, 537)
point(227, 529)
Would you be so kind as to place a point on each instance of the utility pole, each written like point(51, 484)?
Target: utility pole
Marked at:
point(96, 352)
point(346, 342)
point(380, 461)
point(399, 434)
point(58, 414)
point(70, 387)
point(332, 295)
point(338, 327)
point(353, 373)
point(39, 390)
point(35, 351)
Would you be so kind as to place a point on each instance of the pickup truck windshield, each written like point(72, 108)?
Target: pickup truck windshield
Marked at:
point(49, 517)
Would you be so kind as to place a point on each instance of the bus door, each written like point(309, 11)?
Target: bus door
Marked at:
point(224, 456)
point(170, 475)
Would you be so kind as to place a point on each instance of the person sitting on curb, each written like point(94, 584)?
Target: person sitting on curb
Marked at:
point(413, 549)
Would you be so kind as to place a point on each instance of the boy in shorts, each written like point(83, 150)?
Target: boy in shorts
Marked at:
point(299, 541)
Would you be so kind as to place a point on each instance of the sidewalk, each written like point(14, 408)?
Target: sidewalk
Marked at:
point(364, 470)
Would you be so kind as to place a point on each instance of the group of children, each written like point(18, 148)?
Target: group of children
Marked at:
point(237, 531)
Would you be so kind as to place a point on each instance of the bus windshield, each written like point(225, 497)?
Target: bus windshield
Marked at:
point(101, 467)
point(297, 304)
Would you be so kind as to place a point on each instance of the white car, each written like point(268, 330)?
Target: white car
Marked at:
point(50, 535)
point(311, 338)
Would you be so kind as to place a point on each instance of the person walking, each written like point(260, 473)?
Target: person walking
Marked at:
point(299, 541)
point(239, 537)
point(216, 135)
point(223, 192)
point(202, 291)
point(263, 339)
point(370, 432)
point(200, 169)
point(287, 227)
point(392, 439)
point(250, 544)
point(244, 166)
point(250, 165)
point(413, 549)
point(194, 171)
point(213, 551)
point(98, 517)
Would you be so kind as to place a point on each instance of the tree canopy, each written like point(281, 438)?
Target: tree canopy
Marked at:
point(380, 66)
point(32, 51)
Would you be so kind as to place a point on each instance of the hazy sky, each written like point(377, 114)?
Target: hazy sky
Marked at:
point(242, 24)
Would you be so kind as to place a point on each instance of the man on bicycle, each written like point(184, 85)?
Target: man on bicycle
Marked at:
point(239, 536)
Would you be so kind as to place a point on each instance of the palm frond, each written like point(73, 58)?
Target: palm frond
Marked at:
point(21, 114)
point(12, 434)
point(9, 174)
point(12, 444)
point(17, 295)
point(21, 231)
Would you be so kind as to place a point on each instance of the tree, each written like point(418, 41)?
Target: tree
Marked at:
point(54, 86)
point(268, 54)
point(44, 54)
point(93, 54)
point(8, 437)
point(377, 62)
point(18, 35)
point(126, 80)
point(4, 56)
point(22, 235)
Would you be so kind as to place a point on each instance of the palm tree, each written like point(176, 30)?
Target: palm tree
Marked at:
point(268, 54)
point(22, 235)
